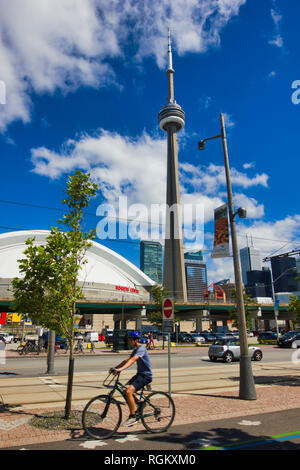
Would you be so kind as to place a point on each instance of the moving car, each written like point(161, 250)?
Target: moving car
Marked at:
point(229, 350)
point(291, 339)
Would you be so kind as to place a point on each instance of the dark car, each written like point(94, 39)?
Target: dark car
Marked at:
point(267, 337)
point(182, 337)
point(291, 339)
point(209, 337)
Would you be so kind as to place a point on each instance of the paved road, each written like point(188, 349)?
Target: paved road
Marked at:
point(268, 431)
point(193, 357)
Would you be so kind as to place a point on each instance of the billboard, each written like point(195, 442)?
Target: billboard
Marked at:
point(13, 318)
point(221, 240)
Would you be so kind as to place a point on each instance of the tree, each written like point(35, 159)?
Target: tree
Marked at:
point(294, 305)
point(49, 290)
point(250, 304)
point(158, 293)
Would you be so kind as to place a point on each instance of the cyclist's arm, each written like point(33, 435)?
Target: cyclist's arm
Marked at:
point(127, 363)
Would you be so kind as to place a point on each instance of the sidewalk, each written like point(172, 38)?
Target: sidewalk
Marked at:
point(16, 430)
point(193, 406)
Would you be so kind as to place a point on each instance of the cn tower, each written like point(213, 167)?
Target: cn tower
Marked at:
point(171, 120)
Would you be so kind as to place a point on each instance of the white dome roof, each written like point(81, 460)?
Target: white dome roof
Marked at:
point(103, 266)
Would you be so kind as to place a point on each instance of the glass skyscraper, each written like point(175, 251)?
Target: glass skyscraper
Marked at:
point(250, 261)
point(151, 260)
point(196, 276)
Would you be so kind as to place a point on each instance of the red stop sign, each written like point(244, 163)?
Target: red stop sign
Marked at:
point(167, 308)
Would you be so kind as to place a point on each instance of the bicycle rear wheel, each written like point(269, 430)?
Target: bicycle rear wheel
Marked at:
point(101, 419)
point(159, 413)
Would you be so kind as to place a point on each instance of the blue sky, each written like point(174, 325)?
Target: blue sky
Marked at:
point(85, 82)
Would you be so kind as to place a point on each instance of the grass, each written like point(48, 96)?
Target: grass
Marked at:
point(54, 420)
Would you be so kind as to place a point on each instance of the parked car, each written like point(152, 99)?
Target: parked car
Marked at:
point(229, 350)
point(291, 339)
point(267, 336)
point(107, 333)
point(2, 339)
point(209, 337)
point(197, 338)
point(91, 336)
point(8, 338)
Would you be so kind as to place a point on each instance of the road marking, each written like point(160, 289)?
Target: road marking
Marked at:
point(92, 444)
point(130, 437)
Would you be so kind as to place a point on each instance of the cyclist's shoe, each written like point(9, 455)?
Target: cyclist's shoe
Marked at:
point(131, 421)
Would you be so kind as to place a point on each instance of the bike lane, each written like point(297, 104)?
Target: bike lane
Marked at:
point(269, 431)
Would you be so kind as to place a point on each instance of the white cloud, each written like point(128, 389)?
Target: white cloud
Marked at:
point(246, 166)
point(210, 179)
point(277, 37)
point(228, 120)
point(254, 209)
point(49, 45)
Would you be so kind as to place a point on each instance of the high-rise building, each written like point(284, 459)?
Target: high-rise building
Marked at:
point(171, 120)
point(284, 274)
point(259, 283)
point(151, 259)
point(250, 261)
point(196, 276)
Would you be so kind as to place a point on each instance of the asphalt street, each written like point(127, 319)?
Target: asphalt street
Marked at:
point(35, 366)
point(270, 431)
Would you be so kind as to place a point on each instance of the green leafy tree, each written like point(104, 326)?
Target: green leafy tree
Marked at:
point(250, 304)
point(48, 289)
point(155, 316)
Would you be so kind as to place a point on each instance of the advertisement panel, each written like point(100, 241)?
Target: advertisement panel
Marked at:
point(221, 240)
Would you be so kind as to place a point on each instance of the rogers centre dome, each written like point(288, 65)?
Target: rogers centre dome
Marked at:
point(106, 275)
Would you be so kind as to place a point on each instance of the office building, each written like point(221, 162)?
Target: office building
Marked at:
point(196, 276)
point(250, 261)
point(151, 260)
point(259, 283)
point(284, 274)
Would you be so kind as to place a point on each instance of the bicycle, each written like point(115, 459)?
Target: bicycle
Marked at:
point(102, 415)
point(78, 348)
point(29, 346)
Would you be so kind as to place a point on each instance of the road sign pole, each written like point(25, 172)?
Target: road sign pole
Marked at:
point(169, 361)
point(168, 323)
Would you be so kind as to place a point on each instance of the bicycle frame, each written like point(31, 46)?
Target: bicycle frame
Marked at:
point(118, 386)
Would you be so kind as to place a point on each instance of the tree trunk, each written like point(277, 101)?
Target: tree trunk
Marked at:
point(68, 404)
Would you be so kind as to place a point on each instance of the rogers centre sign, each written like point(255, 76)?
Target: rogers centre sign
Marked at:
point(132, 290)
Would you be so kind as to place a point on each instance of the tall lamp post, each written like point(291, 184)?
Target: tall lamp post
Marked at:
point(247, 386)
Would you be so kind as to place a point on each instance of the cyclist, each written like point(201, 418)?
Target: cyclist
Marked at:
point(141, 379)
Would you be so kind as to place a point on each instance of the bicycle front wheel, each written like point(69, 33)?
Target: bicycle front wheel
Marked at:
point(158, 412)
point(101, 417)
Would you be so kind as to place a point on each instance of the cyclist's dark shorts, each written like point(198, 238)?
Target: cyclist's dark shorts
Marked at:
point(139, 381)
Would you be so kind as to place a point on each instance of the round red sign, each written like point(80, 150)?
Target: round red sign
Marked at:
point(167, 308)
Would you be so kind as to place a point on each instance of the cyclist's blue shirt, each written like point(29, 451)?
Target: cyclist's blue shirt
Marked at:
point(143, 362)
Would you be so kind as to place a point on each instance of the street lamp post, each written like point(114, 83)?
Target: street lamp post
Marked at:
point(247, 386)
